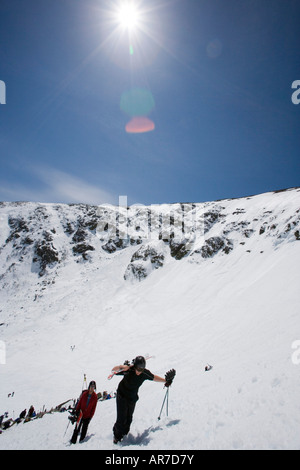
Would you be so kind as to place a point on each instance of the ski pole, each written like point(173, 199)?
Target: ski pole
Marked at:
point(67, 428)
point(84, 381)
point(168, 402)
point(166, 396)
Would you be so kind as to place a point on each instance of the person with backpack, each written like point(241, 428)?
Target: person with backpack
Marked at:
point(84, 411)
point(127, 393)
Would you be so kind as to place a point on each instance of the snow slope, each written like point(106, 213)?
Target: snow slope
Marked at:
point(231, 299)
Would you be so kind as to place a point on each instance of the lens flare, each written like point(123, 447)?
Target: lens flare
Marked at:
point(139, 125)
point(137, 102)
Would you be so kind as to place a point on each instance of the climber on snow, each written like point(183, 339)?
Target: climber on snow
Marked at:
point(84, 412)
point(127, 393)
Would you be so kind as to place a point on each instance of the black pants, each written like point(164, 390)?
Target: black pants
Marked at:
point(125, 409)
point(83, 426)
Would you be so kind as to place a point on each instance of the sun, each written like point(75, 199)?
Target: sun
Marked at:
point(128, 15)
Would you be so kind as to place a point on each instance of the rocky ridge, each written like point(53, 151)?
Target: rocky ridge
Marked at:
point(40, 239)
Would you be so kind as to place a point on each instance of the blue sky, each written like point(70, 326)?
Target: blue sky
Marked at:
point(219, 73)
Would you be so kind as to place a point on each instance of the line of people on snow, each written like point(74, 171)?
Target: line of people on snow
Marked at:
point(25, 416)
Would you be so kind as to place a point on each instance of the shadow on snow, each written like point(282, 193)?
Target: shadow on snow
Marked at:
point(145, 437)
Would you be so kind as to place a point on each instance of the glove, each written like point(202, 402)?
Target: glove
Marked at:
point(72, 419)
point(169, 377)
point(73, 416)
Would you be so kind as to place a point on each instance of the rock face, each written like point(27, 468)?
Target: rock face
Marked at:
point(144, 260)
point(213, 245)
point(40, 239)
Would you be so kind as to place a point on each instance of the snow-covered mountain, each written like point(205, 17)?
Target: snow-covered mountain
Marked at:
point(84, 288)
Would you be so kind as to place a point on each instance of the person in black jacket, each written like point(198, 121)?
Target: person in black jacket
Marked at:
point(127, 393)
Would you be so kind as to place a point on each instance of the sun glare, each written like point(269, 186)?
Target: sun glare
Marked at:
point(128, 15)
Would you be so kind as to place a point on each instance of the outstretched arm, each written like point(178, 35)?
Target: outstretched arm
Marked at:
point(120, 368)
point(115, 370)
point(157, 378)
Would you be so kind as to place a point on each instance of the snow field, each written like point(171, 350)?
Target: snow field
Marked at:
point(238, 312)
